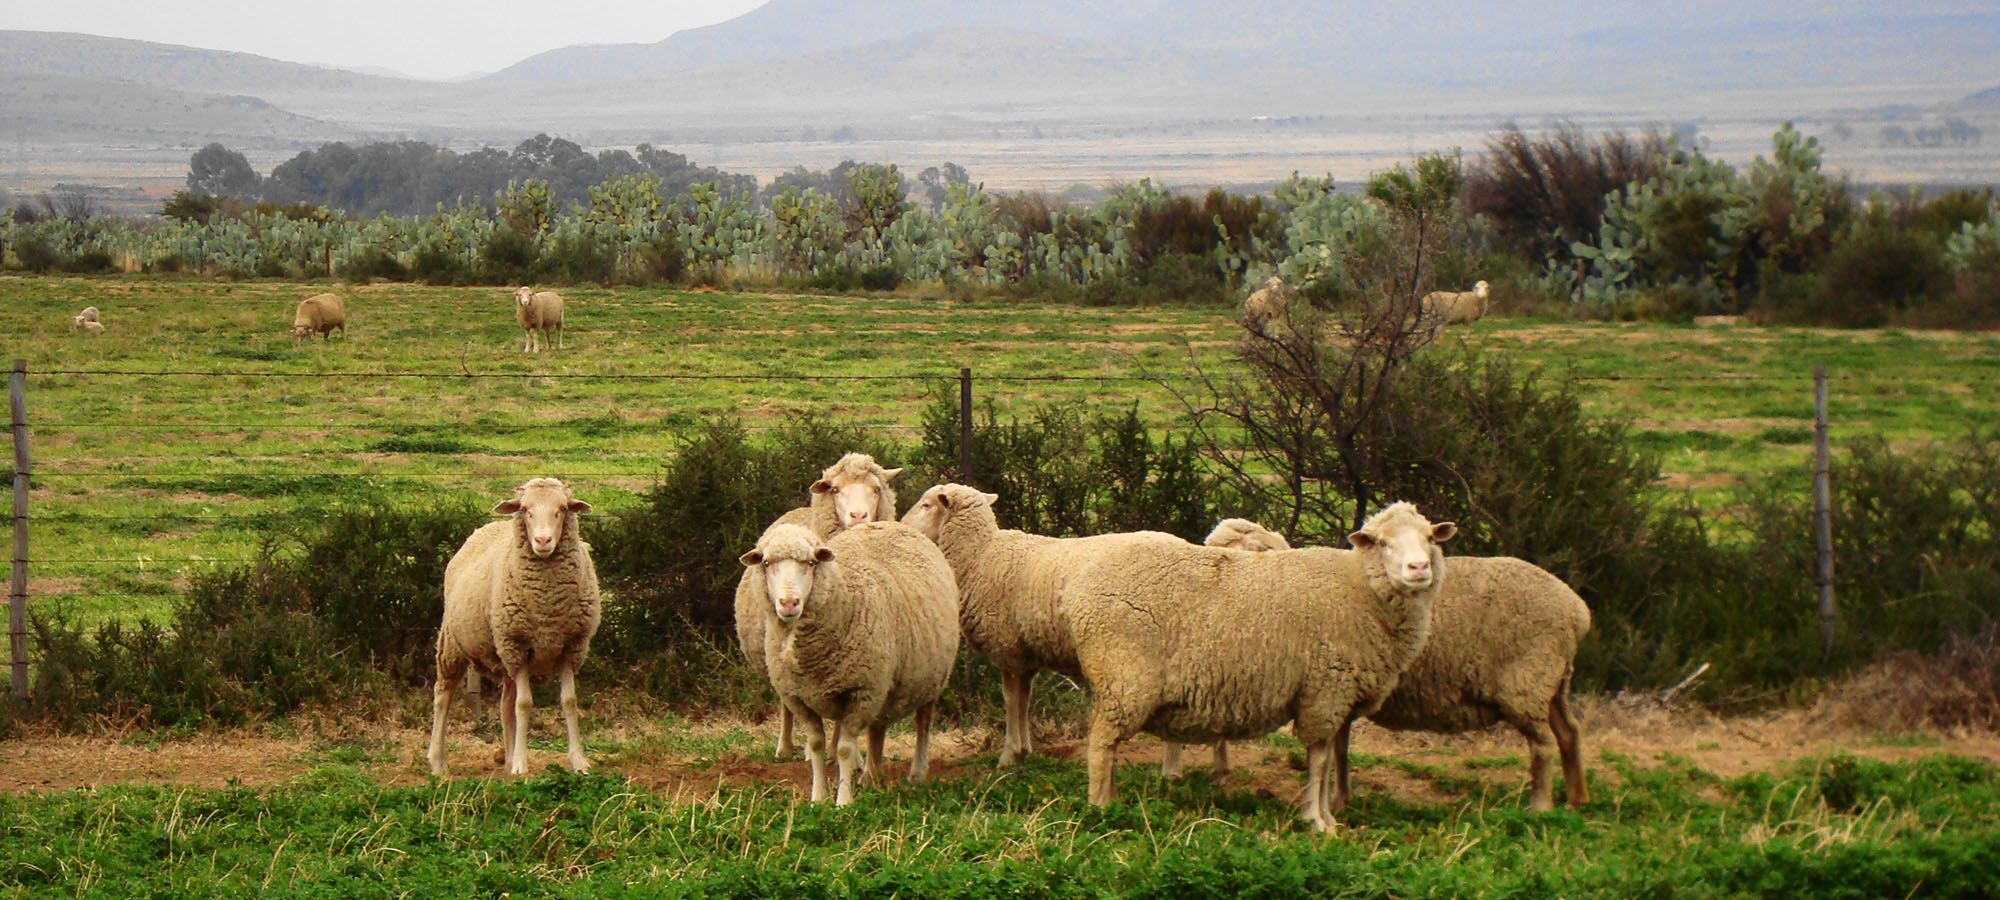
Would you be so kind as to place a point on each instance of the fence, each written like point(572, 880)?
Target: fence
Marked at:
point(126, 545)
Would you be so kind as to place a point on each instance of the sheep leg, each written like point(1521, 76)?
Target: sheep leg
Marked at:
point(1106, 733)
point(1170, 760)
point(1541, 740)
point(441, 696)
point(815, 750)
point(1013, 690)
point(1340, 785)
point(524, 705)
point(920, 763)
point(576, 761)
point(1570, 742)
point(845, 752)
point(559, 336)
point(505, 710)
point(785, 746)
point(1026, 743)
point(1221, 759)
point(873, 767)
point(1313, 804)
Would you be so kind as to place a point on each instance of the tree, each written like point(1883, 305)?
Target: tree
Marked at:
point(218, 171)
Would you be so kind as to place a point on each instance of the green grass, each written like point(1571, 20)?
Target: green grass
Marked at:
point(1837, 827)
point(141, 481)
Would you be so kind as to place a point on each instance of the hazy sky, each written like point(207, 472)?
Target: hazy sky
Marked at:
point(424, 38)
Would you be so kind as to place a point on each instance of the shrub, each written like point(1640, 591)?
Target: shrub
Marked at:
point(506, 257)
point(1546, 192)
point(371, 263)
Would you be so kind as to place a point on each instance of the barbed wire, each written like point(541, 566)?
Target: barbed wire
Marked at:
point(1004, 377)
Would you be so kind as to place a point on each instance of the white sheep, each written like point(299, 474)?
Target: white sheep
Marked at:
point(1267, 305)
point(1504, 634)
point(1008, 583)
point(1441, 308)
point(538, 310)
point(1241, 534)
point(1198, 643)
point(864, 631)
point(520, 601)
point(86, 321)
point(320, 314)
point(854, 490)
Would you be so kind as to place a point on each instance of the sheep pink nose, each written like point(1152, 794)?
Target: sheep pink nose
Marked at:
point(1419, 567)
point(788, 607)
point(857, 516)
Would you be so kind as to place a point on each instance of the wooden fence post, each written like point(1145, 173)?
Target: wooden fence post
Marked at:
point(1823, 514)
point(17, 601)
point(965, 425)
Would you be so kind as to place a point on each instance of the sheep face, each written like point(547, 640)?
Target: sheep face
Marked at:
point(940, 503)
point(787, 560)
point(524, 296)
point(1407, 543)
point(1480, 289)
point(856, 497)
point(542, 507)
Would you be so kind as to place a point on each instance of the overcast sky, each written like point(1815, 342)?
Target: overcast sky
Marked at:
point(425, 38)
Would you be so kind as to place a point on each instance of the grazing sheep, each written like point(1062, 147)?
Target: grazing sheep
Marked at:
point(1241, 534)
point(520, 601)
point(86, 321)
point(1443, 308)
point(864, 631)
point(1199, 643)
point(852, 491)
point(1008, 583)
point(538, 310)
point(1267, 305)
point(320, 314)
point(1503, 642)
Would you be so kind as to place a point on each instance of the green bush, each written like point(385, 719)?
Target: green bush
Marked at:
point(372, 263)
point(506, 257)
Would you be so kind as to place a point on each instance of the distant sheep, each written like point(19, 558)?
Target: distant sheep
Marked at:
point(86, 321)
point(864, 631)
point(1267, 306)
point(320, 314)
point(520, 601)
point(1443, 308)
point(1504, 634)
point(539, 311)
point(854, 490)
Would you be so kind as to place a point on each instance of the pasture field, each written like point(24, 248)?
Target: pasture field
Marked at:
point(229, 426)
point(1681, 807)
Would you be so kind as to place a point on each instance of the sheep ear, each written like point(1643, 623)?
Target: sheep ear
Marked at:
point(890, 474)
point(578, 506)
point(823, 554)
point(751, 558)
point(822, 486)
point(991, 498)
point(507, 507)
point(1443, 531)
point(1362, 540)
point(944, 499)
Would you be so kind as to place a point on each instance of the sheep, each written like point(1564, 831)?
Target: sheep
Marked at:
point(852, 491)
point(1267, 305)
point(1241, 534)
point(541, 310)
point(520, 601)
point(1441, 308)
point(86, 321)
point(1504, 634)
point(864, 631)
point(1008, 584)
point(320, 314)
point(1200, 643)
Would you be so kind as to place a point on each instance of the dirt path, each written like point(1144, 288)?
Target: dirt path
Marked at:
point(693, 761)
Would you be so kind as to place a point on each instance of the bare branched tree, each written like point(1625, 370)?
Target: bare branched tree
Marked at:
point(1297, 431)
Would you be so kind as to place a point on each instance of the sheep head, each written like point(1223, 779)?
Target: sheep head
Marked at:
point(543, 510)
point(524, 296)
point(939, 504)
point(859, 488)
point(787, 558)
point(1480, 289)
point(1407, 544)
point(1243, 534)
